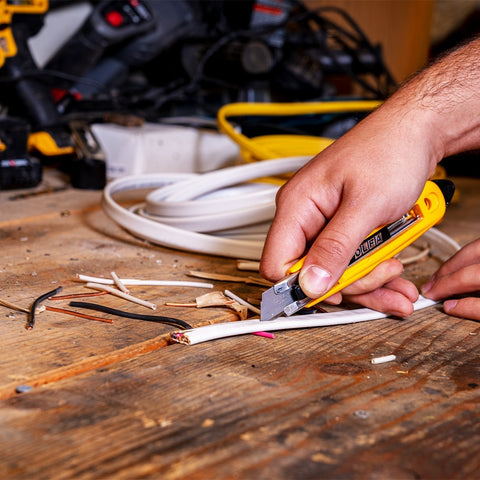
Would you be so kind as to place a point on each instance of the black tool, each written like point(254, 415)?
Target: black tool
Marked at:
point(18, 169)
point(110, 23)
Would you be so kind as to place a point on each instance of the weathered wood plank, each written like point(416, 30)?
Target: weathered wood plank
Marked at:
point(47, 247)
point(305, 405)
point(113, 401)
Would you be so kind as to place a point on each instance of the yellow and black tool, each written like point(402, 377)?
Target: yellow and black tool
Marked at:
point(30, 97)
point(17, 168)
point(8, 8)
point(286, 297)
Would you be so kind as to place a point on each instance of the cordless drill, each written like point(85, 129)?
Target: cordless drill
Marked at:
point(18, 169)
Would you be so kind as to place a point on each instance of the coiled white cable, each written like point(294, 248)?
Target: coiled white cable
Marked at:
point(215, 213)
point(182, 206)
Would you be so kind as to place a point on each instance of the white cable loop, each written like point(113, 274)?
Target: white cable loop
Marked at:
point(247, 194)
point(235, 218)
point(184, 208)
point(442, 245)
point(214, 190)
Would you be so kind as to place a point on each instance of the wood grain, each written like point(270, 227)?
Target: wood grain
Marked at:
point(119, 401)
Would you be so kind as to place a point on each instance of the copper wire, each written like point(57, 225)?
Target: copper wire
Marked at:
point(78, 314)
point(78, 295)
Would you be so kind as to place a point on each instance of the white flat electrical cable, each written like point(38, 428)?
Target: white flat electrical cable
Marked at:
point(445, 246)
point(230, 329)
point(215, 213)
point(188, 192)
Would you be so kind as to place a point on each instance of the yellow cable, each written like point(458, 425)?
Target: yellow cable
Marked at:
point(274, 146)
point(278, 146)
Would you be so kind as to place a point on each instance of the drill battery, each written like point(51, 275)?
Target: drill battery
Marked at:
point(18, 169)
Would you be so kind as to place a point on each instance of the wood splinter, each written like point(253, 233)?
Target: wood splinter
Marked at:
point(215, 299)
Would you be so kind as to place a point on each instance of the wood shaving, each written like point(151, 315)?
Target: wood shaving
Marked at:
point(218, 299)
point(215, 299)
point(248, 265)
point(7, 304)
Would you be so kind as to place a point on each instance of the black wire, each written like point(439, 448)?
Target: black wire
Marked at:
point(364, 39)
point(363, 83)
point(342, 36)
point(135, 316)
point(36, 302)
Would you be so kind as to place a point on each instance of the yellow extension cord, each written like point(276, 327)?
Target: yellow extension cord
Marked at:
point(266, 147)
point(275, 146)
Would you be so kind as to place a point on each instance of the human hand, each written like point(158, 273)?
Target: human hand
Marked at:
point(382, 289)
point(369, 177)
point(374, 173)
point(458, 275)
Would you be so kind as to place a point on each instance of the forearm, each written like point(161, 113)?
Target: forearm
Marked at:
point(446, 97)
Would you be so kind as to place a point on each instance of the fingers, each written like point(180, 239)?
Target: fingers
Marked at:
point(405, 287)
point(335, 299)
point(464, 308)
point(468, 255)
point(460, 274)
point(396, 298)
point(297, 221)
point(332, 250)
point(464, 280)
point(379, 276)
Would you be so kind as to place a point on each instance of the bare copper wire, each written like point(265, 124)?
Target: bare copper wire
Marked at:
point(78, 314)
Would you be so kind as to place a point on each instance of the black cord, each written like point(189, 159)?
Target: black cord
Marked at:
point(135, 316)
point(343, 37)
point(36, 302)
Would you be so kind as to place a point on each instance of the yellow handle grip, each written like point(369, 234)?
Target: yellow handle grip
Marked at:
point(429, 210)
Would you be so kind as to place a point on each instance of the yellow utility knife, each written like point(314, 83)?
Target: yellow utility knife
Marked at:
point(286, 297)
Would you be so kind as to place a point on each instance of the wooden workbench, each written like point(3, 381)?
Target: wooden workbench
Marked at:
point(119, 401)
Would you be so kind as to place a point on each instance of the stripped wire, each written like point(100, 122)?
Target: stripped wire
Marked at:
point(243, 302)
point(78, 314)
point(133, 281)
point(135, 316)
point(78, 295)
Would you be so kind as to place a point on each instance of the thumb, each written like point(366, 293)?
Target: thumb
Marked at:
point(332, 251)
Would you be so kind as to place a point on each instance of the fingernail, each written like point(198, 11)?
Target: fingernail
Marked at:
point(449, 305)
point(315, 281)
point(428, 286)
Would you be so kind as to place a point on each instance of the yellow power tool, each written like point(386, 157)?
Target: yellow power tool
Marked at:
point(8, 8)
